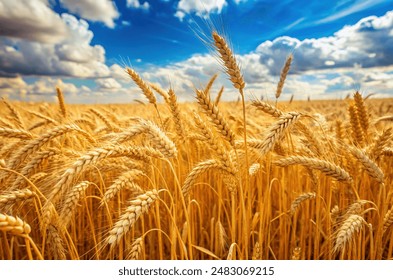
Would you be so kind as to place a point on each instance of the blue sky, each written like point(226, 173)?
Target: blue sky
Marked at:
point(84, 45)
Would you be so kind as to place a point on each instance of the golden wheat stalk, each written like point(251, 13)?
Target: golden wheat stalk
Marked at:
point(126, 179)
point(8, 199)
point(267, 108)
point(136, 208)
point(13, 225)
point(371, 167)
point(60, 97)
point(284, 73)
point(34, 145)
point(70, 202)
point(215, 116)
point(298, 201)
point(345, 232)
point(15, 133)
point(326, 167)
point(229, 61)
point(277, 130)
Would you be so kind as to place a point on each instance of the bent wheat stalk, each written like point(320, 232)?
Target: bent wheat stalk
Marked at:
point(126, 221)
point(326, 167)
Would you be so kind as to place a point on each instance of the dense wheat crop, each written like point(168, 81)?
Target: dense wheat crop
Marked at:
point(199, 180)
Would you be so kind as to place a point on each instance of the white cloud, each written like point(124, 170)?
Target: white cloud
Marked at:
point(201, 8)
point(75, 56)
point(108, 84)
point(137, 5)
point(31, 20)
point(96, 10)
point(350, 46)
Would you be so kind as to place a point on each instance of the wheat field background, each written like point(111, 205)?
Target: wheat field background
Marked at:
point(202, 180)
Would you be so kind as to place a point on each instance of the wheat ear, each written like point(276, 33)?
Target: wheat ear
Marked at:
point(284, 73)
point(15, 114)
point(326, 167)
point(15, 133)
point(362, 112)
point(298, 200)
point(371, 167)
point(345, 232)
point(8, 199)
point(277, 130)
point(13, 225)
point(70, 202)
point(136, 208)
point(126, 179)
point(60, 98)
point(229, 61)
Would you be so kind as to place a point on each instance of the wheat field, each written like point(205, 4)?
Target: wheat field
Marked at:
point(202, 180)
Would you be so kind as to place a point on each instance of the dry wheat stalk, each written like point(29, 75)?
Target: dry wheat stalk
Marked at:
point(371, 167)
point(95, 156)
point(13, 225)
point(14, 114)
point(326, 167)
point(126, 179)
point(215, 116)
point(284, 73)
point(256, 252)
point(218, 97)
point(55, 244)
point(60, 97)
point(175, 110)
point(15, 133)
point(345, 232)
point(8, 199)
point(35, 144)
point(136, 249)
point(45, 118)
point(71, 200)
point(215, 145)
point(136, 208)
point(231, 251)
point(159, 139)
point(229, 61)
point(361, 112)
point(160, 91)
point(357, 131)
point(277, 130)
point(221, 236)
point(37, 125)
point(32, 165)
point(109, 124)
point(142, 85)
point(267, 108)
point(298, 200)
point(200, 168)
point(209, 85)
point(382, 141)
point(388, 219)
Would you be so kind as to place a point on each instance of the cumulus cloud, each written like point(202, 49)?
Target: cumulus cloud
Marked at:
point(95, 10)
point(368, 43)
point(199, 7)
point(137, 5)
point(108, 84)
point(74, 57)
point(32, 20)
